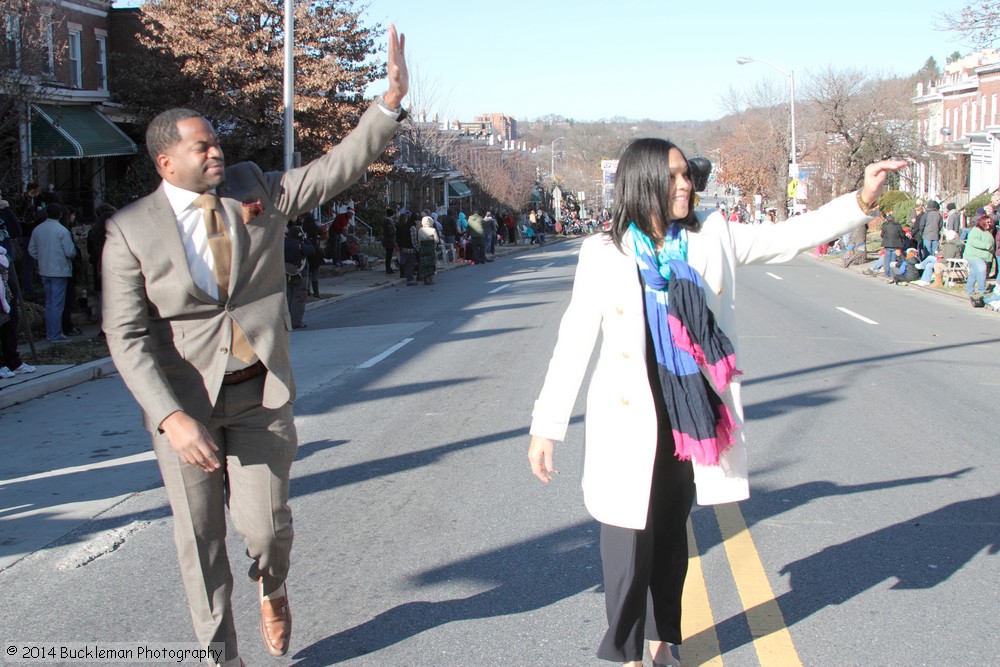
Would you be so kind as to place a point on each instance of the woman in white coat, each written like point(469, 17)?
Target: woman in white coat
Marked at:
point(664, 414)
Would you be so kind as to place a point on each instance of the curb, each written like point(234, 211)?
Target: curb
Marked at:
point(57, 381)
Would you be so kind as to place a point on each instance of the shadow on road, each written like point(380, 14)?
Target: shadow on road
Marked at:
point(564, 564)
point(918, 553)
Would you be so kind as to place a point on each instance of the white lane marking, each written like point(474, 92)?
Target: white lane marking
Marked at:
point(502, 287)
point(774, 276)
point(374, 360)
point(548, 265)
point(853, 314)
point(110, 463)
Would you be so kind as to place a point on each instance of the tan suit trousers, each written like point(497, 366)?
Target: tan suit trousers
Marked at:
point(256, 447)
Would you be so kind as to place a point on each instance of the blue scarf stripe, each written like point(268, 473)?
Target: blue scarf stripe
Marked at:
point(700, 420)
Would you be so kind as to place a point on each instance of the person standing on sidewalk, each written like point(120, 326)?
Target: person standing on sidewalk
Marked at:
point(29, 210)
point(52, 247)
point(931, 231)
point(314, 234)
point(477, 238)
point(406, 235)
point(389, 238)
point(490, 230)
point(893, 239)
point(196, 322)
point(299, 251)
point(10, 361)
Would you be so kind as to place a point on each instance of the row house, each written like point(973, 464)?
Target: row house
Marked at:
point(958, 122)
point(431, 154)
point(66, 136)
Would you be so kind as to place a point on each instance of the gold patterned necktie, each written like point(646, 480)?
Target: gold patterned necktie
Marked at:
point(222, 254)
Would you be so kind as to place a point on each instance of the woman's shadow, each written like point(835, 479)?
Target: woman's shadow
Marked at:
point(919, 553)
point(563, 564)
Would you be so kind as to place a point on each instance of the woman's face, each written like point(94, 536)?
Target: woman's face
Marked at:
point(679, 194)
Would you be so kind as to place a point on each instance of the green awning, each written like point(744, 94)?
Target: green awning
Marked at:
point(66, 132)
point(458, 189)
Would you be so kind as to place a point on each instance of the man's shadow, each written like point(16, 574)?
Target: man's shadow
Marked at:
point(562, 564)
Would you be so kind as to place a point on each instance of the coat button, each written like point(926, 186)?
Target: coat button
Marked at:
point(624, 401)
point(224, 350)
point(618, 310)
point(625, 355)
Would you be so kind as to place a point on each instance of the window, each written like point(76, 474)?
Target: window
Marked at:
point(75, 60)
point(12, 40)
point(102, 62)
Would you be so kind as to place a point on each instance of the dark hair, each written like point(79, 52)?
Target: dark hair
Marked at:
point(162, 131)
point(54, 211)
point(642, 185)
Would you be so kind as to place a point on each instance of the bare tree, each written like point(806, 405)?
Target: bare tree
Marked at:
point(857, 119)
point(978, 22)
point(426, 149)
point(755, 140)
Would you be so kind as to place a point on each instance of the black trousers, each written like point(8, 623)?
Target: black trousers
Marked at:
point(644, 570)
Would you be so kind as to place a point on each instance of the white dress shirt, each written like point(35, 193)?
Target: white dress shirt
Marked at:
point(201, 261)
point(190, 222)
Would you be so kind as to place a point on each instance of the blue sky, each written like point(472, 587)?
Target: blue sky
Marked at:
point(658, 59)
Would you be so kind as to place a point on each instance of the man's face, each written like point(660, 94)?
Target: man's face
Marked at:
point(196, 162)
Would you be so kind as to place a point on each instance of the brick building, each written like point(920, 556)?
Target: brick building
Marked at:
point(958, 120)
point(66, 137)
point(503, 127)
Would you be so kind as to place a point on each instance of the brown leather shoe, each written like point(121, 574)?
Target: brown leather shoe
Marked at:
point(275, 623)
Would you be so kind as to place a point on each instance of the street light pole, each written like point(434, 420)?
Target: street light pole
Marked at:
point(289, 84)
point(793, 167)
point(552, 166)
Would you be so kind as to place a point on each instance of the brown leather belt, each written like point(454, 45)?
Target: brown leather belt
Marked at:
point(245, 374)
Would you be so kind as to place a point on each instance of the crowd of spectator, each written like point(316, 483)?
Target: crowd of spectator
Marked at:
point(937, 245)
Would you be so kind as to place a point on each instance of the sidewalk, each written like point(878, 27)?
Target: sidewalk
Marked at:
point(335, 284)
point(861, 269)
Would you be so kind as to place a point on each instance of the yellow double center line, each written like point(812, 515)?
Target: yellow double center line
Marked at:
point(771, 638)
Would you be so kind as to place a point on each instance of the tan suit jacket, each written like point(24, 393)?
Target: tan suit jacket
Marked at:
point(168, 338)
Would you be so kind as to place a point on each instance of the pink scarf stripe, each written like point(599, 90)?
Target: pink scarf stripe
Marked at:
point(707, 451)
point(721, 372)
point(682, 340)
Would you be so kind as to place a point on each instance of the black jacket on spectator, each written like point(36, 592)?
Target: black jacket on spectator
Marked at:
point(388, 233)
point(892, 234)
point(296, 252)
point(448, 225)
point(404, 238)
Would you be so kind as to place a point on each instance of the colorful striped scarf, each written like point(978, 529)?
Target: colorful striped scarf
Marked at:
point(686, 339)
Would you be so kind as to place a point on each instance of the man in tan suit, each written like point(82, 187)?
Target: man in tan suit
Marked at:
point(196, 321)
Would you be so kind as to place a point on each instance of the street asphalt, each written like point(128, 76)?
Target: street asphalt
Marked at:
point(336, 284)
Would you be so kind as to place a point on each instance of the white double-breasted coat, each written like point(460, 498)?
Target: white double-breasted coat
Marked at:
point(620, 424)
